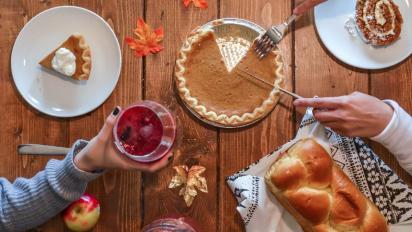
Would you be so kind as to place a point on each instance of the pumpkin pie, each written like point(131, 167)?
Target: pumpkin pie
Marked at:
point(72, 58)
point(228, 98)
point(378, 21)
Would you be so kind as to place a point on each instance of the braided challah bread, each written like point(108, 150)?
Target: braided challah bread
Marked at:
point(319, 194)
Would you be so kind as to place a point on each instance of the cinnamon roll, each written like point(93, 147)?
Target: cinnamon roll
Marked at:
point(378, 21)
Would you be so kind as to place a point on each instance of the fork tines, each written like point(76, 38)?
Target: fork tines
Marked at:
point(272, 37)
point(264, 45)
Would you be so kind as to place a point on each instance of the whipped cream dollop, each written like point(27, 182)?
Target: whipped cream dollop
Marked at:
point(64, 62)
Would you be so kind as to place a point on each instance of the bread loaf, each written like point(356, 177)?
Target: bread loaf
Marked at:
point(319, 194)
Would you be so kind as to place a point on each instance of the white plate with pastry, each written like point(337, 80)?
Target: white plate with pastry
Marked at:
point(66, 61)
point(368, 34)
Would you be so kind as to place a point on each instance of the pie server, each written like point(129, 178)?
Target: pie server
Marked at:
point(39, 149)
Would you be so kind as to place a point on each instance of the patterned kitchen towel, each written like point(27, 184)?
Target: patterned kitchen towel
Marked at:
point(261, 212)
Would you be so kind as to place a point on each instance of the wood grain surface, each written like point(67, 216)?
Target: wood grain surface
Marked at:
point(21, 123)
point(196, 142)
point(240, 147)
point(131, 200)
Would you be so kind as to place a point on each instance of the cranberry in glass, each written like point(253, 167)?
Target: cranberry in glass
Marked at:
point(145, 132)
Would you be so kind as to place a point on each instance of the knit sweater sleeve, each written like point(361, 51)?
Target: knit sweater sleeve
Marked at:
point(27, 203)
point(397, 136)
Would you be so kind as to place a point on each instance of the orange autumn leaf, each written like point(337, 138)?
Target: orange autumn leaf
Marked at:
point(147, 40)
point(198, 3)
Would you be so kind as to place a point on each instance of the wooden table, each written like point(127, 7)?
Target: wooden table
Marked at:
point(133, 199)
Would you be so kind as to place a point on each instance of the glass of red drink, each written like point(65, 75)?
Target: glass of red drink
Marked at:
point(145, 132)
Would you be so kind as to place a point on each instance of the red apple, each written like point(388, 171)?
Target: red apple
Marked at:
point(82, 215)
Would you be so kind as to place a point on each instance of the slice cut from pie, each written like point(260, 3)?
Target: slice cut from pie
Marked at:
point(72, 58)
point(228, 98)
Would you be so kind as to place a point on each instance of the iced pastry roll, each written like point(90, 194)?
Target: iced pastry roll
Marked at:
point(378, 21)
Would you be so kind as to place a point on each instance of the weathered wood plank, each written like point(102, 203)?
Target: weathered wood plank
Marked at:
point(239, 148)
point(21, 123)
point(318, 72)
point(118, 191)
point(310, 69)
point(196, 142)
point(393, 83)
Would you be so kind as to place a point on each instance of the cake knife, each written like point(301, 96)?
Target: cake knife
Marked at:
point(294, 95)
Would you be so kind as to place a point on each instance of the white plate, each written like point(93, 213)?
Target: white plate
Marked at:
point(55, 94)
point(330, 18)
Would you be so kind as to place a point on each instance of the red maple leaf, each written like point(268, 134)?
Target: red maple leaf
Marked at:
point(147, 40)
point(198, 3)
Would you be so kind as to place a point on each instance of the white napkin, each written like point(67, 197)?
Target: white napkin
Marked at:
point(261, 212)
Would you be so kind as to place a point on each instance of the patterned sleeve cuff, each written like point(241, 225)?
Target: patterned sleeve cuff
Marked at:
point(88, 176)
point(67, 180)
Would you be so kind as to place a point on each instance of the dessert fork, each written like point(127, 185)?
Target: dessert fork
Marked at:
point(272, 37)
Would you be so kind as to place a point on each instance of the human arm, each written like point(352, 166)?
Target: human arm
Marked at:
point(27, 203)
point(397, 136)
point(362, 115)
point(305, 5)
point(101, 152)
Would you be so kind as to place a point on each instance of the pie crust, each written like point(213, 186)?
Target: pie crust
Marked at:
point(78, 46)
point(228, 98)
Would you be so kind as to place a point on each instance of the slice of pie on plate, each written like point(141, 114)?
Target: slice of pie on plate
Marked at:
point(228, 98)
point(72, 58)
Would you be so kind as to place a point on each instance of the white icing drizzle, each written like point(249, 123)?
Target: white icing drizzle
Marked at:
point(380, 19)
point(378, 14)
